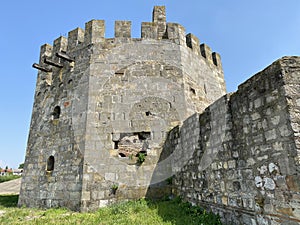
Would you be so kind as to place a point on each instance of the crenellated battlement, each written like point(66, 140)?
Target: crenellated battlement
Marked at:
point(101, 102)
point(94, 33)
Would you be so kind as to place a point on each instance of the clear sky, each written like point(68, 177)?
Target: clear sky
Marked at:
point(249, 35)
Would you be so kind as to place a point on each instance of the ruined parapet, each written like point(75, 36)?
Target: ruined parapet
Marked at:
point(158, 29)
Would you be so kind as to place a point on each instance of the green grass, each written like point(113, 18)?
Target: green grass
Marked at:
point(141, 212)
point(8, 200)
point(8, 178)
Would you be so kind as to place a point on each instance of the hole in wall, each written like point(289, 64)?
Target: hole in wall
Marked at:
point(50, 163)
point(193, 91)
point(122, 155)
point(56, 112)
point(116, 144)
point(132, 143)
point(141, 152)
point(144, 135)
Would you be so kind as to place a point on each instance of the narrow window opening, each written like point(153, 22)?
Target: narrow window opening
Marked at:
point(50, 163)
point(56, 112)
point(116, 144)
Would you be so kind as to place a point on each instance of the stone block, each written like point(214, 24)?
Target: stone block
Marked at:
point(86, 195)
point(293, 182)
point(103, 203)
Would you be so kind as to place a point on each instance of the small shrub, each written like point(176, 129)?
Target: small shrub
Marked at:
point(114, 189)
point(141, 158)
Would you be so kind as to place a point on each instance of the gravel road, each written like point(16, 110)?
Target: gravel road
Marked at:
point(10, 187)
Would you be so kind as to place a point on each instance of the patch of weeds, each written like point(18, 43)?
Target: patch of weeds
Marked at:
point(114, 189)
point(180, 212)
point(199, 214)
point(141, 157)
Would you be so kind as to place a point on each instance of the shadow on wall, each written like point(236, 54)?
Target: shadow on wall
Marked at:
point(182, 146)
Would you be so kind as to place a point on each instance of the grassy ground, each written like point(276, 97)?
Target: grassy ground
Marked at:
point(8, 178)
point(141, 212)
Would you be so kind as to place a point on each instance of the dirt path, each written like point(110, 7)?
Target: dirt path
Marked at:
point(10, 187)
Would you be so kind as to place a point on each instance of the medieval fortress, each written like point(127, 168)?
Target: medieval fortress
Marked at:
point(125, 118)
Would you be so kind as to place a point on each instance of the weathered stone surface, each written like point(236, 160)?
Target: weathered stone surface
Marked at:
point(149, 116)
point(113, 100)
point(262, 154)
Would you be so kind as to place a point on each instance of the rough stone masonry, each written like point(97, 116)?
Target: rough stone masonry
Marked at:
point(125, 118)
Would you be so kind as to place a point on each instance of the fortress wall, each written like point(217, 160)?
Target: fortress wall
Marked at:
point(239, 157)
point(246, 167)
point(128, 78)
point(57, 130)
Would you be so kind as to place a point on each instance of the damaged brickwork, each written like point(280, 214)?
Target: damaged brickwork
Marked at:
point(251, 140)
point(101, 102)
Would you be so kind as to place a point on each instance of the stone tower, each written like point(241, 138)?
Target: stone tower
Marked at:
point(100, 103)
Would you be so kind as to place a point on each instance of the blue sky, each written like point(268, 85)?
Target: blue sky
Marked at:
point(249, 35)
